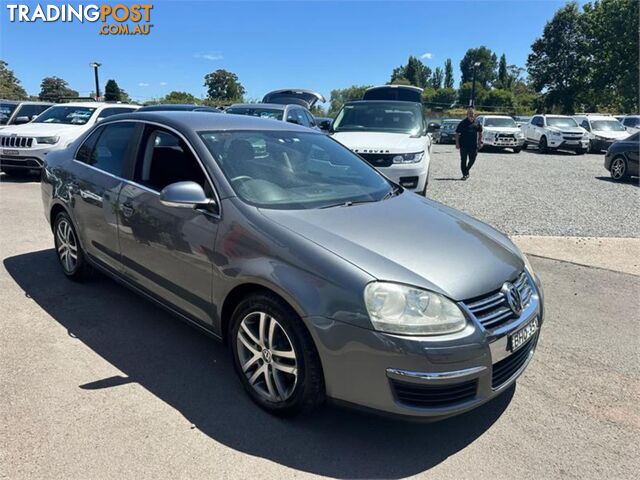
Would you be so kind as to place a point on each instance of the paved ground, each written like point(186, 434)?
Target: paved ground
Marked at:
point(535, 194)
point(95, 382)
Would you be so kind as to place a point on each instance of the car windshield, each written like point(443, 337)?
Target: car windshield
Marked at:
point(273, 113)
point(395, 117)
point(607, 126)
point(561, 122)
point(500, 122)
point(6, 109)
point(450, 125)
point(66, 114)
point(292, 170)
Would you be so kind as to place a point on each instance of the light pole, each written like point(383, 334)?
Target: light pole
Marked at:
point(472, 100)
point(95, 66)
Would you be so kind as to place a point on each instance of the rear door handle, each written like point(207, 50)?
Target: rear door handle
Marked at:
point(127, 209)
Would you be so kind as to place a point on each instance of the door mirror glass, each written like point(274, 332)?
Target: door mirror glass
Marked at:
point(325, 125)
point(21, 120)
point(184, 195)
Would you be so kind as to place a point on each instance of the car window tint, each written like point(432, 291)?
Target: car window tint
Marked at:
point(110, 149)
point(302, 118)
point(31, 110)
point(165, 159)
point(292, 116)
point(84, 152)
point(310, 119)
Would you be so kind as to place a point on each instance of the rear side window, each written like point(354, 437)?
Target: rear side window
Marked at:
point(165, 159)
point(631, 121)
point(106, 148)
point(107, 112)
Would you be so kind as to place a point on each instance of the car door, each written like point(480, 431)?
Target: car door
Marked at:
point(633, 152)
point(97, 172)
point(167, 250)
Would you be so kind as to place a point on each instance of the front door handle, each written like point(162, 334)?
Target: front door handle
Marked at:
point(127, 209)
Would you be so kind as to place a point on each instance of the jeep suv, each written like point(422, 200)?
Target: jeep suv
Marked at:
point(387, 129)
point(555, 132)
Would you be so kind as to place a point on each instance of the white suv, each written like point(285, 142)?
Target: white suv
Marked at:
point(25, 147)
point(603, 130)
point(501, 131)
point(555, 132)
point(387, 129)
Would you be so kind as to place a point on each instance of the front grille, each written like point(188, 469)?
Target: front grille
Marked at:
point(492, 309)
point(17, 142)
point(378, 159)
point(429, 396)
point(26, 162)
point(505, 135)
point(507, 367)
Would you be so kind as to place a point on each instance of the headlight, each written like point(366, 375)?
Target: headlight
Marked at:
point(408, 157)
point(47, 140)
point(395, 308)
point(519, 135)
point(487, 135)
point(555, 134)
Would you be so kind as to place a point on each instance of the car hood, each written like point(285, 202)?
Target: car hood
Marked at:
point(611, 135)
point(411, 240)
point(502, 129)
point(567, 129)
point(380, 142)
point(45, 129)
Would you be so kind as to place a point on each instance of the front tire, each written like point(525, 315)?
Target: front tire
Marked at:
point(68, 250)
point(275, 357)
point(581, 151)
point(517, 150)
point(619, 169)
point(543, 146)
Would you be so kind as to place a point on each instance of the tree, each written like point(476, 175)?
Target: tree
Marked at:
point(54, 88)
point(503, 74)
point(340, 96)
point(436, 79)
point(112, 92)
point(175, 97)
point(558, 60)
point(611, 29)
point(448, 73)
point(485, 72)
point(464, 94)
point(498, 99)
point(415, 72)
point(10, 87)
point(441, 99)
point(223, 86)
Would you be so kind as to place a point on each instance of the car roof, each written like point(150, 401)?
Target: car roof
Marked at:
point(92, 104)
point(400, 103)
point(12, 102)
point(496, 116)
point(26, 102)
point(199, 121)
point(174, 106)
point(274, 106)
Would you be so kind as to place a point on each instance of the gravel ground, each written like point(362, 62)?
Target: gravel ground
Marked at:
point(533, 194)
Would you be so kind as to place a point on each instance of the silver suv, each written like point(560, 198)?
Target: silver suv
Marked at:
point(300, 256)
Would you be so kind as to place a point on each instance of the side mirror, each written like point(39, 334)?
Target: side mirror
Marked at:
point(325, 125)
point(21, 120)
point(433, 127)
point(184, 195)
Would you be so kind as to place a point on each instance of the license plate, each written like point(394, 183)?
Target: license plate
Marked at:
point(11, 152)
point(572, 142)
point(519, 338)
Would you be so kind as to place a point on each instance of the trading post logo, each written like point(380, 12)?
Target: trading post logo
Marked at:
point(117, 19)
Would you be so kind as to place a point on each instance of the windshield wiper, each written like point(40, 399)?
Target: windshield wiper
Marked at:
point(395, 191)
point(347, 203)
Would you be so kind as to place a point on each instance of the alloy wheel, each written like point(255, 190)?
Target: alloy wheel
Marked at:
point(67, 246)
point(618, 168)
point(267, 357)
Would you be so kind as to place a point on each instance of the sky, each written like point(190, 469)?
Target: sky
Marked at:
point(321, 45)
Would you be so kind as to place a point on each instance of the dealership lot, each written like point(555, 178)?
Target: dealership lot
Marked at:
point(98, 383)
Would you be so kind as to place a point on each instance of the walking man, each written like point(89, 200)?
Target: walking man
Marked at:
point(468, 141)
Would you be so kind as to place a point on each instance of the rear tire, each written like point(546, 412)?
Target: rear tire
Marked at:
point(275, 357)
point(619, 168)
point(68, 249)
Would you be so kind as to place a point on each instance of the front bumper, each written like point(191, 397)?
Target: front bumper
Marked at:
point(385, 372)
point(412, 177)
point(601, 143)
point(24, 158)
point(562, 144)
point(504, 142)
point(446, 137)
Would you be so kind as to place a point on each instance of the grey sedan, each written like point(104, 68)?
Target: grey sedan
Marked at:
point(325, 279)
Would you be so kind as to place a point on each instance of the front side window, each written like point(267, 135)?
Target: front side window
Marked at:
point(109, 151)
point(6, 109)
point(166, 159)
point(500, 122)
point(292, 170)
point(561, 122)
point(632, 121)
point(271, 113)
point(65, 114)
point(399, 117)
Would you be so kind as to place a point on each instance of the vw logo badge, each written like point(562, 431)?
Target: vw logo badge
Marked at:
point(513, 297)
